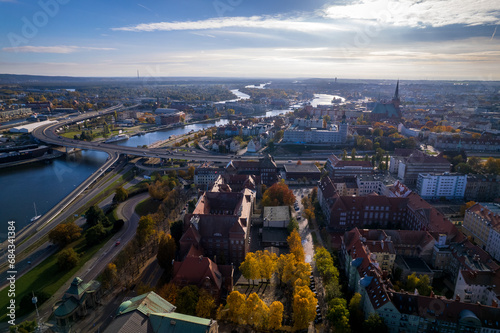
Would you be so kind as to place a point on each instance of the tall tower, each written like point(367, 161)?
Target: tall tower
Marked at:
point(395, 100)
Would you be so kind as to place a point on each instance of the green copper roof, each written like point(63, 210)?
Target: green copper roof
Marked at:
point(177, 322)
point(67, 307)
point(146, 304)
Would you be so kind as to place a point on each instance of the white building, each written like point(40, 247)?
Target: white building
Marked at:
point(314, 122)
point(473, 287)
point(253, 146)
point(435, 186)
point(333, 135)
point(368, 184)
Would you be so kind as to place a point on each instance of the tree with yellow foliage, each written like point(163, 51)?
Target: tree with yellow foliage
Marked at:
point(205, 305)
point(169, 292)
point(295, 244)
point(304, 307)
point(237, 307)
point(267, 262)
point(250, 267)
point(275, 315)
point(109, 275)
point(257, 311)
point(282, 262)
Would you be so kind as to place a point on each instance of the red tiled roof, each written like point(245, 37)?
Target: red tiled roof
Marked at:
point(486, 214)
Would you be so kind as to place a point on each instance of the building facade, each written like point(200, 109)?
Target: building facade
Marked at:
point(435, 186)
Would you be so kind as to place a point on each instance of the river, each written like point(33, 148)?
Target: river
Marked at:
point(43, 185)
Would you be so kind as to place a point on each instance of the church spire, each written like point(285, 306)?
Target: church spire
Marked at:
point(396, 93)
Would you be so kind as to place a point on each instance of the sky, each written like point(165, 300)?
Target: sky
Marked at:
point(364, 39)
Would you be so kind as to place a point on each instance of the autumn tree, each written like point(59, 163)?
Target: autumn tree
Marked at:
point(282, 262)
point(190, 173)
point(250, 267)
point(121, 194)
point(267, 262)
point(145, 229)
point(65, 233)
point(467, 205)
point(166, 251)
point(236, 303)
point(109, 275)
point(275, 315)
point(278, 195)
point(187, 300)
point(295, 245)
point(206, 305)
point(67, 259)
point(169, 292)
point(304, 307)
point(257, 311)
point(353, 154)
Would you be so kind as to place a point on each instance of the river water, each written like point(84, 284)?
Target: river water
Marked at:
point(42, 185)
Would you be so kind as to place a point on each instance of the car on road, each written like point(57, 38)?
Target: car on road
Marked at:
point(117, 243)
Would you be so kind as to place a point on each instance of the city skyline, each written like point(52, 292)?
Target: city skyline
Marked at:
point(435, 40)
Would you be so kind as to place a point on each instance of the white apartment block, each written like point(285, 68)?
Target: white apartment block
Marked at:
point(435, 186)
point(334, 135)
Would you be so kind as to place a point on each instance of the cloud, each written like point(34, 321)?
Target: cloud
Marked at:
point(418, 13)
point(257, 22)
point(54, 49)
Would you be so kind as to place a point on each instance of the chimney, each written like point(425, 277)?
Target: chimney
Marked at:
point(494, 304)
point(457, 298)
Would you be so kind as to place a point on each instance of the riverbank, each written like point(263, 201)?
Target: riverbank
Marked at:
point(46, 157)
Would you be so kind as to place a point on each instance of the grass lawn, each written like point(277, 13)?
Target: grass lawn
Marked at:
point(47, 276)
point(148, 206)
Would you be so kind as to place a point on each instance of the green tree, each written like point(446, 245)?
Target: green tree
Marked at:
point(356, 315)
point(145, 229)
point(187, 299)
point(326, 266)
point(375, 324)
point(121, 194)
point(353, 154)
point(338, 315)
point(166, 251)
point(95, 234)
point(344, 155)
point(67, 259)
point(65, 233)
point(95, 215)
point(24, 327)
point(293, 225)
